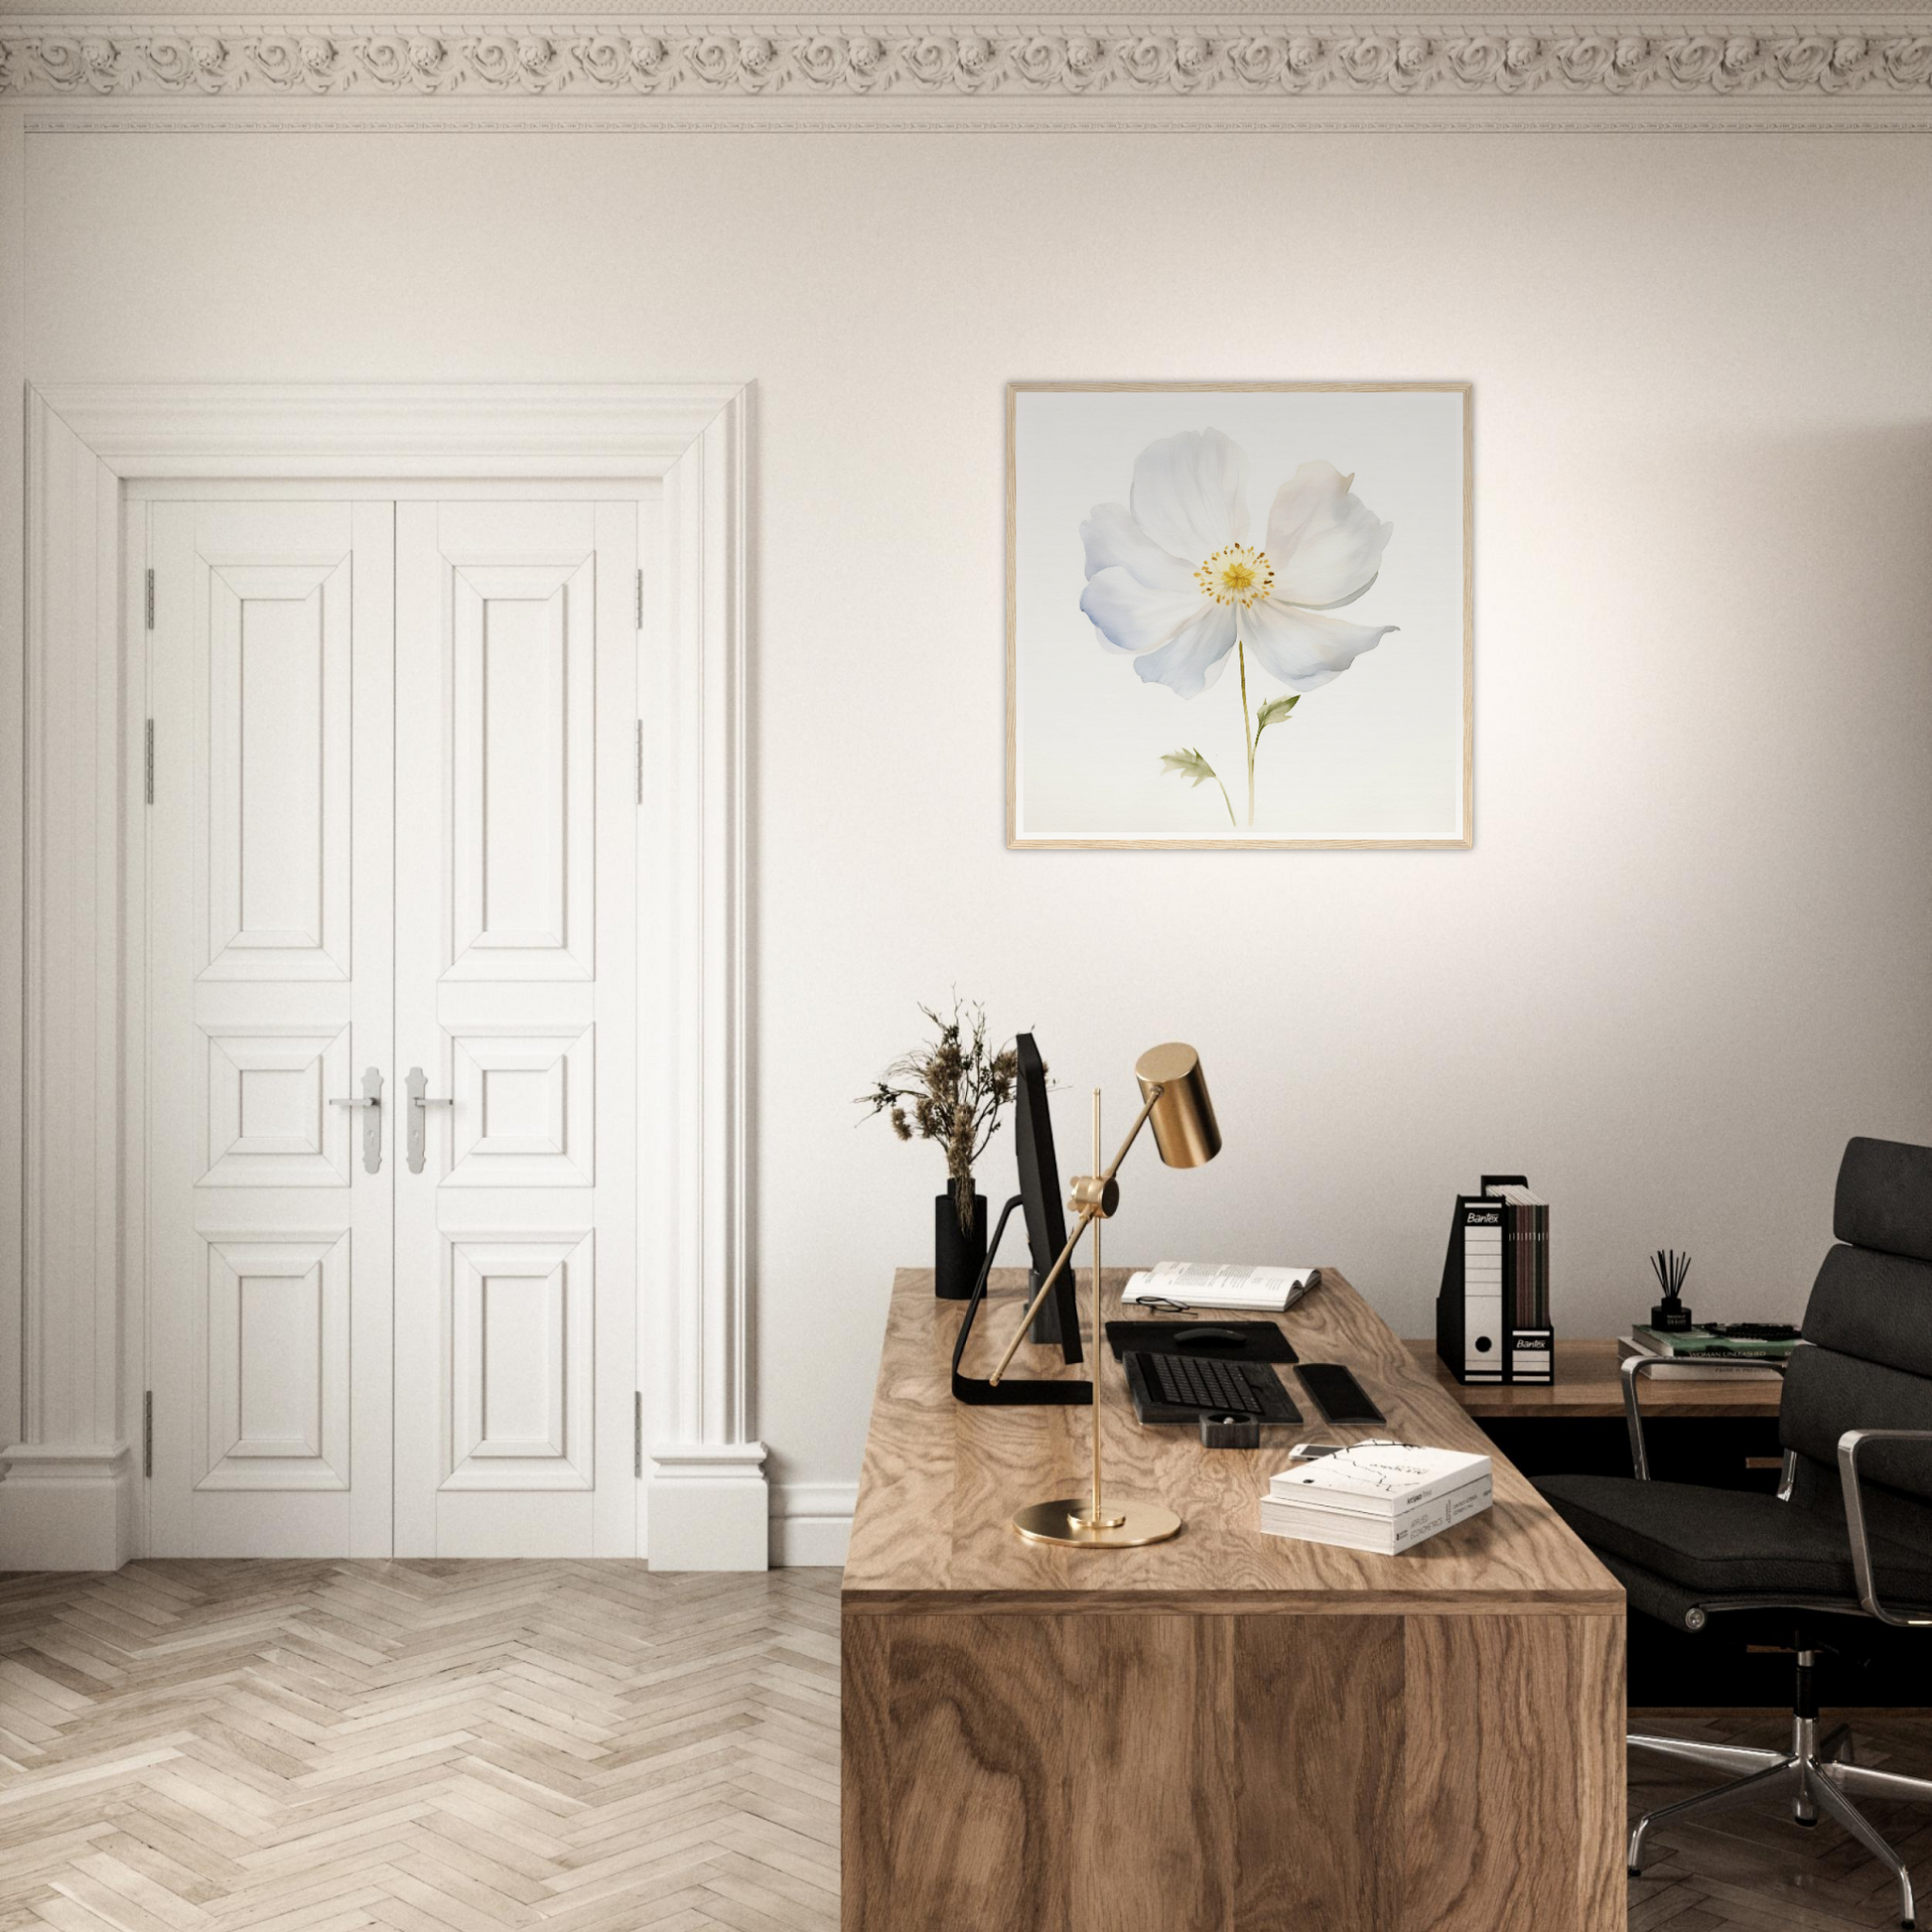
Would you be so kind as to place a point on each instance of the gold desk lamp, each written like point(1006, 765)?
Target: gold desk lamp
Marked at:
point(1175, 1099)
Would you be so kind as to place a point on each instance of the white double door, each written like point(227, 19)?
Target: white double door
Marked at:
point(391, 860)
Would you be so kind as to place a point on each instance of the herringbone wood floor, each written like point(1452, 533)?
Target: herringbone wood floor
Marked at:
point(1754, 1869)
point(568, 1747)
point(323, 1746)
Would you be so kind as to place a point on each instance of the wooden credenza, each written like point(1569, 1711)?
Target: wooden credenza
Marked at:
point(1227, 1732)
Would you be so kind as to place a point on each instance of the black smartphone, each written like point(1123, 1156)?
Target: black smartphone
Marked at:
point(1336, 1393)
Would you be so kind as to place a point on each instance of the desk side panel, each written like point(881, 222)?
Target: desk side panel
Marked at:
point(1154, 1773)
point(957, 1777)
point(1513, 1774)
point(1151, 1781)
point(1317, 1749)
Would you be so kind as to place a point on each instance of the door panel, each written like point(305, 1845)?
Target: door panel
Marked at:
point(515, 1242)
point(270, 992)
point(521, 770)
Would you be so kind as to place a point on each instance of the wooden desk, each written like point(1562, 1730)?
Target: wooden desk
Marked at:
point(1718, 1434)
point(1588, 1385)
point(1228, 1732)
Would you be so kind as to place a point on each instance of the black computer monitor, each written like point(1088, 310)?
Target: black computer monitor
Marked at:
point(1039, 1194)
point(1039, 1199)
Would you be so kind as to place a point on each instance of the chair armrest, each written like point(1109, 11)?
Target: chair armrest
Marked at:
point(1849, 1446)
point(1635, 1365)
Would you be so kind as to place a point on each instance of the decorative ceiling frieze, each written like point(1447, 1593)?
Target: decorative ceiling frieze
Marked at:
point(1245, 62)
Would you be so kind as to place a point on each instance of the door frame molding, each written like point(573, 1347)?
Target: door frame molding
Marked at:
point(72, 1397)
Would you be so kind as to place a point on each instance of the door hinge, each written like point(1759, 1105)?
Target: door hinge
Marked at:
point(640, 760)
point(147, 1433)
point(640, 597)
point(148, 762)
point(638, 1434)
point(150, 599)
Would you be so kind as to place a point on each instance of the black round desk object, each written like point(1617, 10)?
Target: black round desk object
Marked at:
point(1230, 1432)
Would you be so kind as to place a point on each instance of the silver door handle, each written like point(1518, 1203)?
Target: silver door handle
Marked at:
point(417, 1081)
point(371, 1098)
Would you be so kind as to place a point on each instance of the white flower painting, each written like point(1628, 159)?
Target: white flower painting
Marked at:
point(1270, 540)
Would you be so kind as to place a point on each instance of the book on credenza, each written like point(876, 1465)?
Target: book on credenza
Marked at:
point(1677, 1362)
point(1379, 1496)
point(1218, 1285)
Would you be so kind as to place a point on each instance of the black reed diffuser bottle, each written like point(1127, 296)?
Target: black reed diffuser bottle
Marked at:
point(1670, 1315)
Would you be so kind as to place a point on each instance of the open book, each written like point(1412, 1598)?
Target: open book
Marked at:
point(1213, 1285)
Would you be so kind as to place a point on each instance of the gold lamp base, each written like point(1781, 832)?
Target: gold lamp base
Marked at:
point(1125, 1525)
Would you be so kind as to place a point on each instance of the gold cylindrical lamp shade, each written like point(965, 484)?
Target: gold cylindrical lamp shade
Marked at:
point(1182, 1119)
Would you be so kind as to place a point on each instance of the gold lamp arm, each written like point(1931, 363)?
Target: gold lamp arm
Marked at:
point(1099, 1207)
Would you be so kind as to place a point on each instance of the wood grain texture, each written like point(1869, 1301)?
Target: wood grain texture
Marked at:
point(1148, 1772)
point(978, 1776)
point(865, 1794)
point(1151, 1783)
point(1513, 1772)
point(941, 1481)
point(1317, 1736)
point(1588, 1385)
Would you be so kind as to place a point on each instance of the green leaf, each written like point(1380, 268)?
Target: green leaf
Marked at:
point(1273, 712)
point(1188, 764)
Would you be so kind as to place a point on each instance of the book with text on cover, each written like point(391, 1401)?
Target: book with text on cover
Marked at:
point(1377, 1496)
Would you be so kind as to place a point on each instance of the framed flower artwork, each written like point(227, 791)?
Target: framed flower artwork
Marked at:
point(1238, 613)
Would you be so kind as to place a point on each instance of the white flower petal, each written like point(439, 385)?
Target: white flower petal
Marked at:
point(1190, 494)
point(1194, 656)
point(1301, 648)
point(1113, 538)
point(1132, 618)
point(1324, 542)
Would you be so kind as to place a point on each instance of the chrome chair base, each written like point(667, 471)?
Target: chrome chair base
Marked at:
point(1818, 1775)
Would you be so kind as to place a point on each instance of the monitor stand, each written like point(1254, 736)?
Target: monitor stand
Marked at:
point(1010, 1390)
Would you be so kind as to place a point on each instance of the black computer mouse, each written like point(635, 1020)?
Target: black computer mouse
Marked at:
point(1206, 1337)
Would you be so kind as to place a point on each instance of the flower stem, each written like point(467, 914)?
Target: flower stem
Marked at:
point(1227, 801)
point(1247, 730)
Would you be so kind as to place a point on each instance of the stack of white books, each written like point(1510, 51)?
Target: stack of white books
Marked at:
point(1386, 1497)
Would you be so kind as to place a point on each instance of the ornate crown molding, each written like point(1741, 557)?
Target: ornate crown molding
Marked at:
point(1248, 62)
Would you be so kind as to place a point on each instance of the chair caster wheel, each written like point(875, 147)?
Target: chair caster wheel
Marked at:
point(1807, 1823)
point(1633, 1871)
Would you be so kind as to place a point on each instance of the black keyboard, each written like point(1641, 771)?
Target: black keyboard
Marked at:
point(1206, 1387)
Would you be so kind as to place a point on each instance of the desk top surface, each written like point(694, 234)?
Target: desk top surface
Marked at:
point(1588, 1385)
point(941, 1481)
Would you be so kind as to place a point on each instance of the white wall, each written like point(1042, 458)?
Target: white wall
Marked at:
point(1686, 956)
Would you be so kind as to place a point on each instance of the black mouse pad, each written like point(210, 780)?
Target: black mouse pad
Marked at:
point(1217, 1341)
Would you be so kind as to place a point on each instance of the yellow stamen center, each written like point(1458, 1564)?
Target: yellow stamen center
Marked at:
point(1237, 575)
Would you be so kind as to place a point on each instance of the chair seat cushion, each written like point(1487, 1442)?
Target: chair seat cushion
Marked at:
point(1728, 1542)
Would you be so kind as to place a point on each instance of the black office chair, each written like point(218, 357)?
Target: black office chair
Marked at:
point(1849, 1535)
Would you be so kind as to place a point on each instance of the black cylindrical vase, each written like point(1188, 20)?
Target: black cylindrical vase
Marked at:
point(957, 1257)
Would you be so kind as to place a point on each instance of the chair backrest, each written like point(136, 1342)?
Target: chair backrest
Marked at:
point(1869, 1326)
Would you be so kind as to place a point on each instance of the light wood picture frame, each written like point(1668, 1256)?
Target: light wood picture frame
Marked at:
point(1188, 563)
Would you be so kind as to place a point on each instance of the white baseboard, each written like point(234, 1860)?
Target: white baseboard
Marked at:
point(67, 1506)
point(710, 1507)
point(811, 1523)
